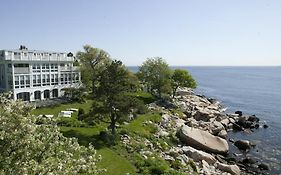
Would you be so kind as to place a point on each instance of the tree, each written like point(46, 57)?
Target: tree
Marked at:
point(113, 103)
point(182, 78)
point(75, 94)
point(93, 61)
point(30, 148)
point(155, 74)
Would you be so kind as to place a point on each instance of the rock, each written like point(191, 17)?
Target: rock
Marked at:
point(198, 155)
point(263, 166)
point(163, 133)
point(203, 114)
point(217, 127)
point(222, 134)
point(239, 113)
point(231, 120)
point(191, 122)
point(168, 158)
point(243, 144)
point(248, 160)
point(265, 126)
point(203, 140)
point(184, 91)
point(231, 140)
point(253, 118)
point(232, 169)
point(206, 168)
point(225, 122)
point(183, 158)
point(179, 122)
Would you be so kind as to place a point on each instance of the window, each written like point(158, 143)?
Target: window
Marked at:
point(27, 81)
point(44, 80)
point(48, 78)
point(38, 79)
point(34, 79)
point(17, 80)
point(52, 79)
point(36, 67)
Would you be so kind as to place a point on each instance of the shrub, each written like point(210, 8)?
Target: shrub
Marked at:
point(28, 148)
point(81, 114)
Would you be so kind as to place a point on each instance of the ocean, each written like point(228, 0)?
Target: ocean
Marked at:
point(252, 90)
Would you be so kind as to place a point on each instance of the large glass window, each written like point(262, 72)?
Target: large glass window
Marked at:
point(27, 80)
point(36, 68)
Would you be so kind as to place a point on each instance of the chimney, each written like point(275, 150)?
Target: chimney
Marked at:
point(22, 47)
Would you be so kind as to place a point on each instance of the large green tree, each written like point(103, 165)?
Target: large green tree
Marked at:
point(113, 103)
point(30, 148)
point(93, 61)
point(155, 74)
point(182, 78)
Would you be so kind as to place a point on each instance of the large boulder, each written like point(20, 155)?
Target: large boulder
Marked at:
point(198, 155)
point(203, 140)
point(243, 144)
point(232, 169)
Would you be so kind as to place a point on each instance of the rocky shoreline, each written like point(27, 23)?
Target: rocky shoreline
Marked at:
point(203, 128)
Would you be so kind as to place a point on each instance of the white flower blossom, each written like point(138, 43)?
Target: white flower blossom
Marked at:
point(27, 148)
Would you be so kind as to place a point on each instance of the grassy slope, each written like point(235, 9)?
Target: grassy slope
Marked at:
point(111, 160)
point(114, 163)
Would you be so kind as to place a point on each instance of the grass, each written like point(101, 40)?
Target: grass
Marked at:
point(111, 160)
point(62, 107)
point(137, 126)
point(114, 160)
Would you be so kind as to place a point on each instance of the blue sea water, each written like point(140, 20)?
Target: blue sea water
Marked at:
point(253, 90)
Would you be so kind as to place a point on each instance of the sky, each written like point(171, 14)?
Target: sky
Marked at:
point(183, 32)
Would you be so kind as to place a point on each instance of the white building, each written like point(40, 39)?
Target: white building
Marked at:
point(37, 75)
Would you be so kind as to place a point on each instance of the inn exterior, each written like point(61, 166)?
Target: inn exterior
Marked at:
point(33, 75)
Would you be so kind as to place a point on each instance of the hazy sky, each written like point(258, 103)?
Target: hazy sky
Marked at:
point(183, 32)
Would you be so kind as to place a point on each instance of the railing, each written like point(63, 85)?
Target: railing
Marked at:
point(38, 58)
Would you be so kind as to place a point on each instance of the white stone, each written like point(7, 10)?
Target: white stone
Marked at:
point(203, 140)
point(232, 169)
point(198, 155)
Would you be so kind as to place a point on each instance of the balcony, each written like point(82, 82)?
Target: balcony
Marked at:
point(31, 57)
point(21, 70)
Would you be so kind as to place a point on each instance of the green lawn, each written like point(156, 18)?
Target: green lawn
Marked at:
point(112, 159)
point(114, 163)
point(137, 126)
point(62, 107)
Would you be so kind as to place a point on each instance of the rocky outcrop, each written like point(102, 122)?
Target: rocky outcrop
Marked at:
point(232, 169)
point(203, 140)
point(203, 126)
point(198, 155)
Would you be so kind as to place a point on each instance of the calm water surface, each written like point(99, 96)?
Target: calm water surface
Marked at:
point(253, 90)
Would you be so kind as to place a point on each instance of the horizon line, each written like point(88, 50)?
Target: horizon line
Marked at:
point(215, 66)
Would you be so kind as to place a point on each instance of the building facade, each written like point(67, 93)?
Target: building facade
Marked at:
point(37, 75)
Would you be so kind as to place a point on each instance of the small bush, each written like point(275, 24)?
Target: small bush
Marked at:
point(123, 132)
point(81, 114)
point(193, 165)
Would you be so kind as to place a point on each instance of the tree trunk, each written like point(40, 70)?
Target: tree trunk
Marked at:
point(113, 125)
point(174, 91)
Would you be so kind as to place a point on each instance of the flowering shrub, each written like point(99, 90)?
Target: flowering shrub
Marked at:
point(30, 148)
